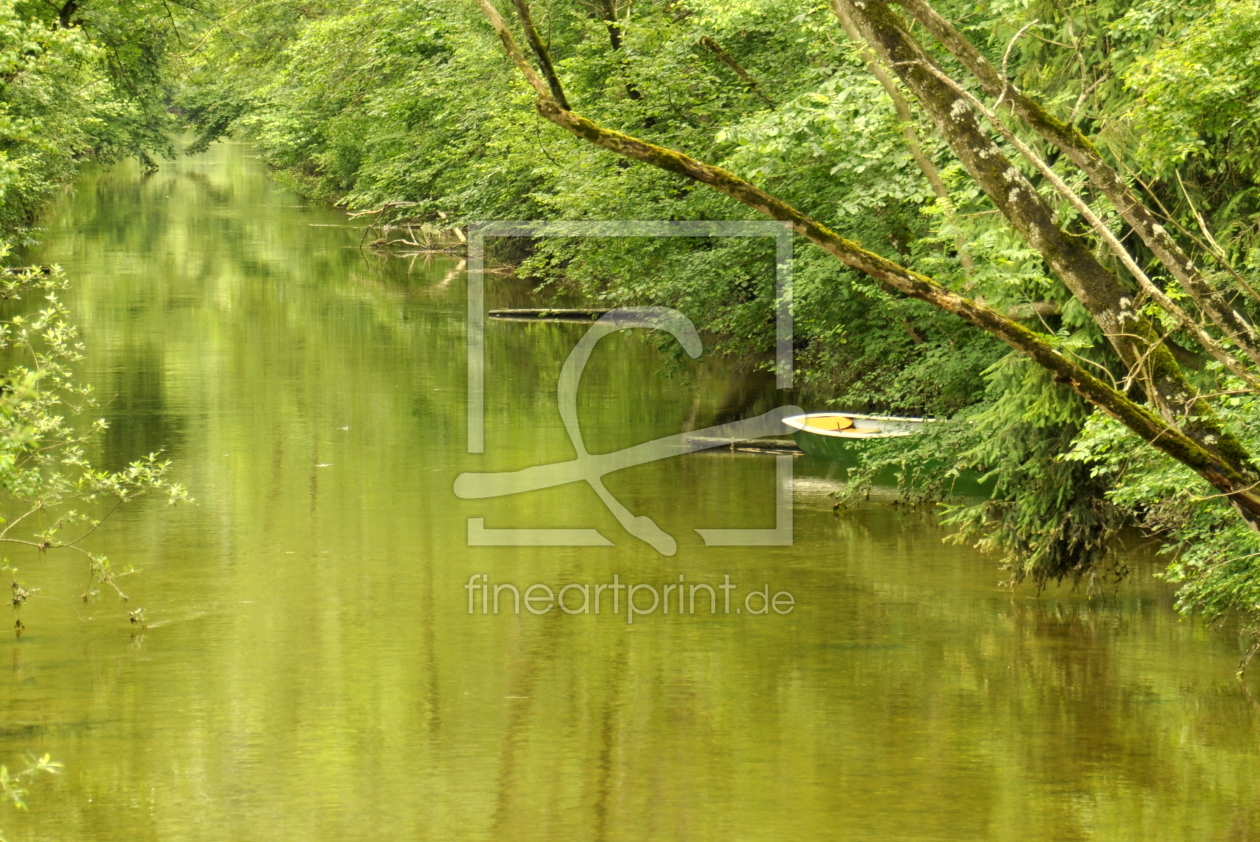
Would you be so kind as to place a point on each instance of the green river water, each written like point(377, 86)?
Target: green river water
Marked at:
point(311, 671)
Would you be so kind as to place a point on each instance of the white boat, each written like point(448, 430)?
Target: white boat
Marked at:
point(825, 433)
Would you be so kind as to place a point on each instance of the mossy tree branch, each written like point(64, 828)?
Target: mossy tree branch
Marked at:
point(541, 53)
point(1220, 472)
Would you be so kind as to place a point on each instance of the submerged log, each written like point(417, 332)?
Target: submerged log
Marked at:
point(549, 314)
point(749, 445)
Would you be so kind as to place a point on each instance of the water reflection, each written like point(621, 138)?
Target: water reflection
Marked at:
point(312, 672)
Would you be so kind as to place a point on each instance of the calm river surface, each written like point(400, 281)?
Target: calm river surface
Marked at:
point(311, 671)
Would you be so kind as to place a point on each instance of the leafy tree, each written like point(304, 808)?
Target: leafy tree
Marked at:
point(55, 497)
point(82, 80)
point(1055, 205)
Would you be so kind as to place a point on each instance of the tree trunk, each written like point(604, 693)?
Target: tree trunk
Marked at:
point(65, 15)
point(1104, 177)
point(1070, 257)
point(608, 12)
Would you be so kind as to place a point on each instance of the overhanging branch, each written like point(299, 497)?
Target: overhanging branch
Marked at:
point(1143, 422)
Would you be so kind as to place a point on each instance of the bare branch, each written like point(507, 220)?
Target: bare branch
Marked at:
point(729, 60)
point(514, 52)
point(1117, 248)
point(1213, 246)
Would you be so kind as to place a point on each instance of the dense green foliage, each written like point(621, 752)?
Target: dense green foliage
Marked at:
point(93, 86)
point(414, 103)
point(77, 82)
point(374, 103)
point(46, 104)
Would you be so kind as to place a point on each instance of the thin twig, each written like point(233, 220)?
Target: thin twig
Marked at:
point(1006, 57)
point(217, 23)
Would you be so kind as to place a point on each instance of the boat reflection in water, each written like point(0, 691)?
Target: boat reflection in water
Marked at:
point(834, 436)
